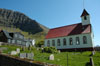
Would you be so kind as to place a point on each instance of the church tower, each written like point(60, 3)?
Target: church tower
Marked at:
point(85, 18)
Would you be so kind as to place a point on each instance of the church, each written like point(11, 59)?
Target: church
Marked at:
point(72, 37)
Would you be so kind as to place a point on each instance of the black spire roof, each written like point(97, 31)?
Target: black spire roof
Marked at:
point(84, 13)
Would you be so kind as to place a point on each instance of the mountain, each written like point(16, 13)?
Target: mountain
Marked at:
point(14, 19)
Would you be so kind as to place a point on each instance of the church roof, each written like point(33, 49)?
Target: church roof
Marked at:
point(68, 30)
point(84, 13)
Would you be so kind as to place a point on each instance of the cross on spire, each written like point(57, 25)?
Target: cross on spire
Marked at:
point(83, 4)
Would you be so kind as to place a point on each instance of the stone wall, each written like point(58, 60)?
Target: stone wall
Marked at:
point(6, 60)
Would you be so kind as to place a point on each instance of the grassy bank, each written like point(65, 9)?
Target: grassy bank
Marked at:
point(74, 58)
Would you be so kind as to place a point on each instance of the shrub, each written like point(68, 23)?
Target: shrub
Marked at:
point(40, 43)
point(50, 50)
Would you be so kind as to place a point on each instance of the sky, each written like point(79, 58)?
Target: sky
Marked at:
point(57, 13)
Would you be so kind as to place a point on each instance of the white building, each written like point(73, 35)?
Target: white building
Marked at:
point(72, 37)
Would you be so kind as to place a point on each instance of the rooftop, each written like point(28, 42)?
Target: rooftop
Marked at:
point(73, 29)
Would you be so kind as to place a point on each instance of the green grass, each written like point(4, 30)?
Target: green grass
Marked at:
point(10, 48)
point(74, 58)
point(96, 59)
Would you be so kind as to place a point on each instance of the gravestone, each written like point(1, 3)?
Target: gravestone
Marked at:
point(93, 52)
point(30, 56)
point(59, 51)
point(22, 55)
point(51, 57)
point(18, 50)
point(0, 43)
point(27, 55)
point(13, 52)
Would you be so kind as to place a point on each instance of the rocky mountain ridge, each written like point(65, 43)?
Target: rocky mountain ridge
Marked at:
point(14, 19)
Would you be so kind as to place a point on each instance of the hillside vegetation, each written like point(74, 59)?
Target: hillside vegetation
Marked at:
point(16, 21)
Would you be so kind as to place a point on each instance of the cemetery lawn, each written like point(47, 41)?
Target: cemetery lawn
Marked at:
point(74, 58)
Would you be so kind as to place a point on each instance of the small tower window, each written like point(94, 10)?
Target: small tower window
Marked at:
point(85, 18)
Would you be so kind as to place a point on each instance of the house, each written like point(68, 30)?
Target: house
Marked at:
point(17, 38)
point(14, 38)
point(72, 37)
point(4, 36)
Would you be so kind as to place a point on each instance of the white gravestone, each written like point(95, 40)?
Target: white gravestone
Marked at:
point(18, 50)
point(30, 56)
point(93, 52)
point(13, 52)
point(51, 57)
point(22, 55)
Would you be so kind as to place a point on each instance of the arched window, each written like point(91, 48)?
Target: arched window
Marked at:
point(48, 43)
point(77, 40)
point(84, 40)
point(85, 18)
point(71, 41)
point(53, 42)
point(64, 41)
point(58, 42)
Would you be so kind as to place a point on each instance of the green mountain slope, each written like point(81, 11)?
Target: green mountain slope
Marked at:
point(14, 21)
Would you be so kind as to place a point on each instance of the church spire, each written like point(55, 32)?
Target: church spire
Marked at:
point(85, 18)
point(85, 13)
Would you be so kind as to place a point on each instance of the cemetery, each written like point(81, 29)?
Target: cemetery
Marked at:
point(59, 58)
